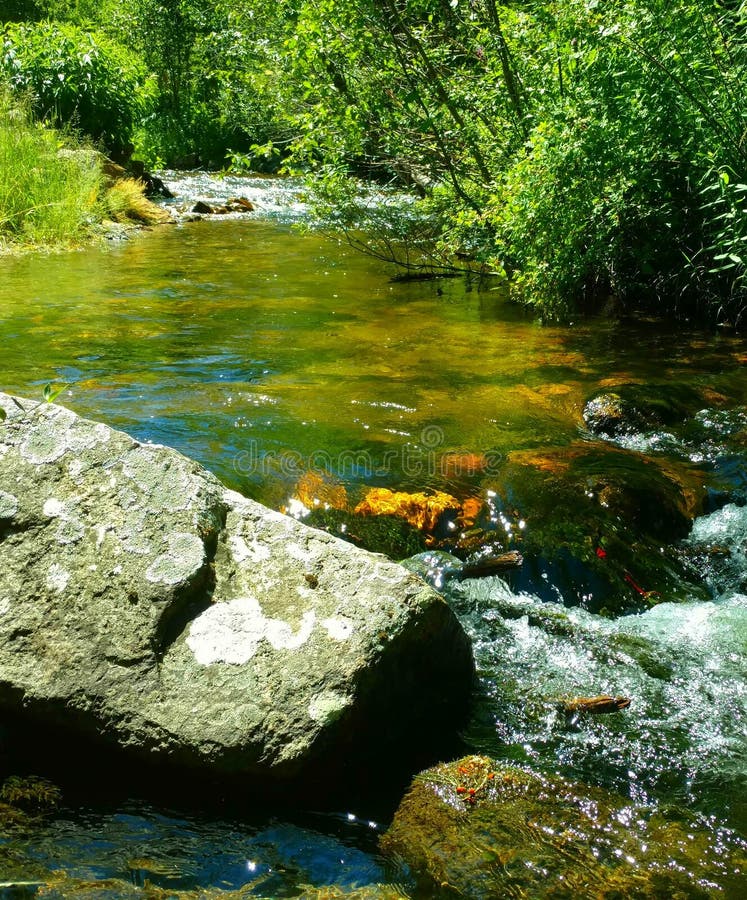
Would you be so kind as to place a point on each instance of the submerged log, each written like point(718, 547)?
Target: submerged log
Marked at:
point(594, 705)
point(489, 565)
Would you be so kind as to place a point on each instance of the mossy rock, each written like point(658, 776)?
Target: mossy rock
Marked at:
point(389, 535)
point(600, 525)
point(654, 497)
point(479, 829)
point(631, 408)
point(606, 414)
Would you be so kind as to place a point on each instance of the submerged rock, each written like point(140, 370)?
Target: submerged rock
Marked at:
point(423, 511)
point(146, 607)
point(636, 407)
point(606, 414)
point(380, 534)
point(481, 829)
point(599, 524)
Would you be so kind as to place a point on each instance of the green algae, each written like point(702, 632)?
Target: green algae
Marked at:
point(600, 525)
point(481, 829)
point(31, 794)
point(380, 534)
point(369, 892)
point(24, 802)
point(59, 885)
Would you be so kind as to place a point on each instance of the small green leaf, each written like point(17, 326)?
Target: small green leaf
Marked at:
point(51, 392)
point(3, 414)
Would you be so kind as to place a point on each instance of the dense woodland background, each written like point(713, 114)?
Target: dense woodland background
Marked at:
point(592, 151)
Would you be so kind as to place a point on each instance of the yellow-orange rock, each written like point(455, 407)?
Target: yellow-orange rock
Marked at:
point(421, 510)
point(314, 491)
point(471, 509)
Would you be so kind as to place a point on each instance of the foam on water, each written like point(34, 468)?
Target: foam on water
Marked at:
point(683, 666)
point(281, 199)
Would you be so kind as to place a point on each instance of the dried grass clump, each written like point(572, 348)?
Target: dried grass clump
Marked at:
point(125, 201)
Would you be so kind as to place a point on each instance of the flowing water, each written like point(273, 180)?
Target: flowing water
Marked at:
point(267, 354)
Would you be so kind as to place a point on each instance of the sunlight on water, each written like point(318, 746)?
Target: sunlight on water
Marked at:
point(257, 350)
point(281, 199)
point(723, 535)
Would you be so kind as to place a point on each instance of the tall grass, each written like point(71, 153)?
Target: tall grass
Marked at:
point(49, 185)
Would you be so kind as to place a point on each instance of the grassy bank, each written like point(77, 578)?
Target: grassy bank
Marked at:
point(50, 188)
point(53, 192)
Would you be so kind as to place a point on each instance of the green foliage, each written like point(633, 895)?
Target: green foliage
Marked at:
point(32, 793)
point(592, 150)
point(52, 391)
point(77, 12)
point(49, 187)
point(77, 78)
point(577, 145)
point(605, 199)
point(722, 260)
point(213, 67)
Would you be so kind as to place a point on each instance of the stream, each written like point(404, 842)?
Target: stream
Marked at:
point(302, 375)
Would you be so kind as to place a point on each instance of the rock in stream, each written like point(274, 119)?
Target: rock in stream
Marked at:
point(483, 829)
point(146, 608)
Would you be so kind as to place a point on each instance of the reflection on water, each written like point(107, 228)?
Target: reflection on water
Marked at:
point(259, 352)
point(136, 844)
point(264, 353)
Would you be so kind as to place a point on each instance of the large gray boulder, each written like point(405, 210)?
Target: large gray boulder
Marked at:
point(146, 607)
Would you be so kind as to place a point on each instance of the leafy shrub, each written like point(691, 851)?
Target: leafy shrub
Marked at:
point(591, 149)
point(615, 193)
point(77, 78)
point(18, 10)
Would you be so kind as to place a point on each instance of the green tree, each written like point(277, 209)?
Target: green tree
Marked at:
point(76, 78)
point(588, 149)
point(19, 11)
